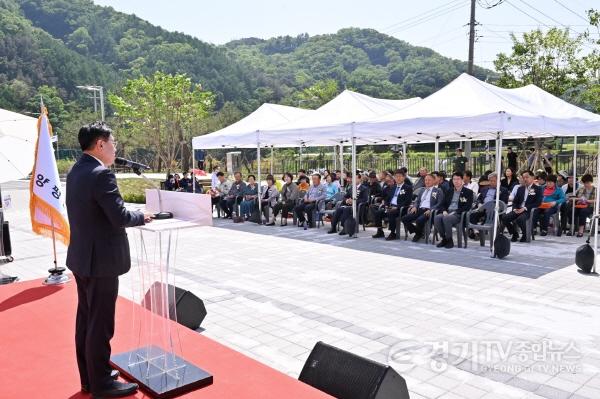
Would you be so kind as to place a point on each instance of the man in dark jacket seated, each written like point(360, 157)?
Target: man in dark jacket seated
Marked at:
point(344, 211)
point(456, 203)
point(398, 197)
point(528, 197)
point(430, 200)
point(487, 194)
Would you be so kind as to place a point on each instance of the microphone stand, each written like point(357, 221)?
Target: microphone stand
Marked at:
point(161, 214)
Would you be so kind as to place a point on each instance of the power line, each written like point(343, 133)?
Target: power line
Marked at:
point(546, 15)
point(526, 13)
point(427, 18)
point(404, 21)
point(571, 11)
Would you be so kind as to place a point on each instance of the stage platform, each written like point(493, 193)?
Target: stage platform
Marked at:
point(37, 353)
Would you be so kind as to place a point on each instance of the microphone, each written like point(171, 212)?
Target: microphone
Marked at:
point(136, 166)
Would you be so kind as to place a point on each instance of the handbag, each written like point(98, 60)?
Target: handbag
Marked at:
point(501, 246)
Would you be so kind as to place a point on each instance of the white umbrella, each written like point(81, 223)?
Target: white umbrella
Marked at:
point(18, 134)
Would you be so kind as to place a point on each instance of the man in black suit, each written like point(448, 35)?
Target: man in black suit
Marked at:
point(344, 211)
point(430, 200)
point(456, 202)
point(529, 196)
point(399, 197)
point(97, 255)
point(487, 194)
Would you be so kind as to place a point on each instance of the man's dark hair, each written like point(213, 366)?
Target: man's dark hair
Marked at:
point(587, 178)
point(551, 178)
point(89, 134)
point(458, 174)
point(238, 173)
point(301, 171)
point(530, 173)
point(252, 176)
point(509, 148)
point(469, 173)
point(400, 172)
point(220, 174)
point(318, 175)
point(404, 169)
point(542, 175)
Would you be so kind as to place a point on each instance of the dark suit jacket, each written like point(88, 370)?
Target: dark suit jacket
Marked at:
point(97, 215)
point(362, 193)
point(404, 196)
point(534, 198)
point(465, 200)
point(503, 194)
point(437, 199)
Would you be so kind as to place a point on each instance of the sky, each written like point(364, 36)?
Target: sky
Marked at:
point(438, 24)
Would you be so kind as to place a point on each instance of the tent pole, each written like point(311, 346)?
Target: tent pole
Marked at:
point(596, 209)
point(334, 158)
point(353, 176)
point(404, 148)
point(272, 159)
point(437, 153)
point(498, 168)
point(258, 188)
point(193, 174)
point(574, 184)
point(342, 157)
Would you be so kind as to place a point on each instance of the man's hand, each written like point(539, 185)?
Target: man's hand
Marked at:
point(427, 213)
point(519, 211)
point(412, 210)
point(445, 213)
point(148, 217)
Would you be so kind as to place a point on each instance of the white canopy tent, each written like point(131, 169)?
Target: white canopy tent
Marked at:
point(266, 116)
point(18, 135)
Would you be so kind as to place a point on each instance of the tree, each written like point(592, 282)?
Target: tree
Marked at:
point(159, 111)
point(550, 60)
point(314, 96)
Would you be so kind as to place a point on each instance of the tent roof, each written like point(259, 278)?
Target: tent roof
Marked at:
point(18, 135)
point(468, 108)
point(334, 116)
point(264, 117)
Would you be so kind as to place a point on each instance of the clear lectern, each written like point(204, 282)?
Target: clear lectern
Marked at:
point(157, 361)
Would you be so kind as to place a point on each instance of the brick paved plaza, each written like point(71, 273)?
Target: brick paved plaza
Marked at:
point(454, 323)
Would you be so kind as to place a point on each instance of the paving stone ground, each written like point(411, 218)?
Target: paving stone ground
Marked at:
point(455, 323)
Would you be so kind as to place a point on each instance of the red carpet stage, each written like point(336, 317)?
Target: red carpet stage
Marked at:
point(37, 353)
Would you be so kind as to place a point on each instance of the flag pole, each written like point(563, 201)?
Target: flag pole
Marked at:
point(56, 273)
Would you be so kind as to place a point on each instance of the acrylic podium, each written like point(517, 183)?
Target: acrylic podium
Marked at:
point(157, 360)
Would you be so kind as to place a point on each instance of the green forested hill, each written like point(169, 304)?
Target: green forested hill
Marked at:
point(65, 43)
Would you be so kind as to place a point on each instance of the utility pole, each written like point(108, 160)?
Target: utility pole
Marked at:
point(472, 24)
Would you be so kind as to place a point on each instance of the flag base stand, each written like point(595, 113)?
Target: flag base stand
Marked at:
point(57, 277)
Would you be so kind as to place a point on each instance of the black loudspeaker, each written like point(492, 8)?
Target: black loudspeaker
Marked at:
point(584, 258)
point(348, 376)
point(6, 240)
point(501, 246)
point(190, 309)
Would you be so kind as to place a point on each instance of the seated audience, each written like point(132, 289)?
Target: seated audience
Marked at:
point(250, 194)
point(220, 190)
point(302, 177)
point(344, 211)
point(420, 181)
point(455, 204)
point(469, 183)
point(406, 179)
point(509, 181)
point(566, 209)
point(431, 199)
point(554, 197)
point(169, 182)
point(398, 196)
point(186, 182)
point(304, 210)
point(375, 189)
point(268, 199)
point(332, 189)
point(287, 200)
point(234, 196)
point(584, 203)
point(487, 194)
point(527, 199)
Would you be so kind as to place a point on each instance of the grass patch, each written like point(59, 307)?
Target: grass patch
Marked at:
point(133, 189)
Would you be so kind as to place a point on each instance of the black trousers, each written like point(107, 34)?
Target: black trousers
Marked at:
point(418, 218)
point(391, 214)
point(340, 215)
point(284, 207)
point(303, 208)
point(512, 218)
point(228, 204)
point(94, 328)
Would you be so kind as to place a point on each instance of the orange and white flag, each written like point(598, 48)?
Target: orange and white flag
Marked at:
point(47, 204)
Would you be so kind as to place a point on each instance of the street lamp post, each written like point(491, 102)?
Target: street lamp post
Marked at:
point(96, 89)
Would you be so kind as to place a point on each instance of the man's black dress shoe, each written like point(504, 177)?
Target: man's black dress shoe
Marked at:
point(116, 389)
point(113, 374)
